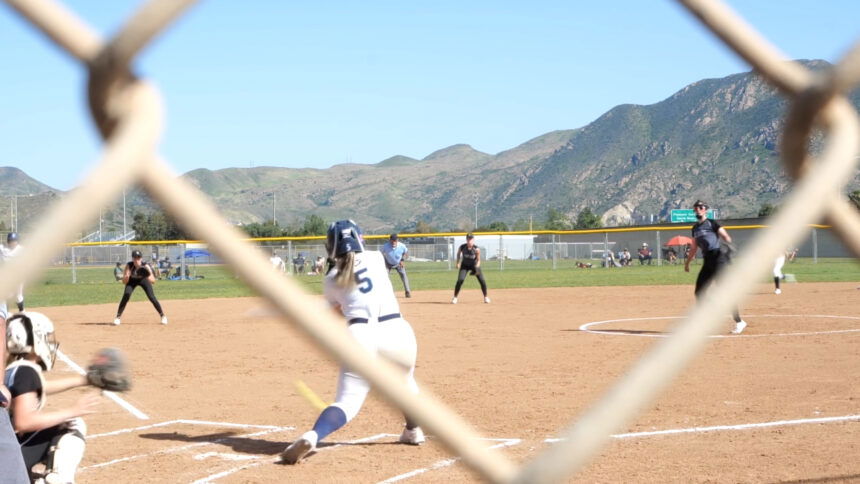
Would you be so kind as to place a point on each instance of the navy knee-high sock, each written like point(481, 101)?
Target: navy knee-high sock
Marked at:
point(331, 419)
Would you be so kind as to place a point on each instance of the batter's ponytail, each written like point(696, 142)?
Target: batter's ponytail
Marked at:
point(345, 277)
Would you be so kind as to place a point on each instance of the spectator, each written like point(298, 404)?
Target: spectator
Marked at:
point(671, 256)
point(164, 268)
point(278, 264)
point(644, 254)
point(609, 260)
point(299, 263)
point(117, 272)
point(394, 254)
point(319, 266)
point(626, 257)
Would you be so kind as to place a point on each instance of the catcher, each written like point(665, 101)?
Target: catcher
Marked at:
point(55, 438)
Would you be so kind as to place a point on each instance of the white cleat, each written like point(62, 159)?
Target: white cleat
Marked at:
point(116, 322)
point(486, 300)
point(777, 292)
point(299, 449)
point(454, 301)
point(164, 320)
point(739, 327)
point(412, 437)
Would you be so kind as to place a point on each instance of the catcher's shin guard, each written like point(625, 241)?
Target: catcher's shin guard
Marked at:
point(66, 452)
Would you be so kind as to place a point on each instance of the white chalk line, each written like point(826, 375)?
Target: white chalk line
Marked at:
point(183, 421)
point(587, 326)
point(719, 428)
point(113, 396)
point(224, 456)
point(218, 475)
point(446, 462)
point(186, 447)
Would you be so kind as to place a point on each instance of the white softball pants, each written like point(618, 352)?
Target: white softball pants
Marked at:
point(393, 340)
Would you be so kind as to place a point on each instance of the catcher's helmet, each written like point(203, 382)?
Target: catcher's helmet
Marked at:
point(31, 332)
point(343, 236)
point(12, 237)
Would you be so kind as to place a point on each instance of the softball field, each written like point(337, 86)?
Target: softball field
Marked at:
point(215, 396)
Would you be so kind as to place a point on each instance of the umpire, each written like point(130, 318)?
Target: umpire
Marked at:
point(707, 235)
point(395, 253)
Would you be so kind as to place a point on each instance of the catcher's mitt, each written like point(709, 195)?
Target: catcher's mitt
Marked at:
point(109, 371)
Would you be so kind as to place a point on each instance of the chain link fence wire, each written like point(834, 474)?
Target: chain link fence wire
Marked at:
point(128, 114)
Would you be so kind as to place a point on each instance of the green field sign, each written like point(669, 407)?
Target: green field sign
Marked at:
point(681, 216)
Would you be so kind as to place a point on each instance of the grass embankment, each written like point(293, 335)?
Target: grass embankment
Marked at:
point(95, 285)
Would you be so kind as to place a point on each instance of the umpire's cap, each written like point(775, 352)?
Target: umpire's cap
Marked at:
point(136, 254)
point(12, 237)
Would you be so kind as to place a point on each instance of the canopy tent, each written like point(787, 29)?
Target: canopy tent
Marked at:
point(195, 253)
point(679, 240)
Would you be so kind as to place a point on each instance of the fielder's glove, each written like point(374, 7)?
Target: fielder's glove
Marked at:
point(109, 371)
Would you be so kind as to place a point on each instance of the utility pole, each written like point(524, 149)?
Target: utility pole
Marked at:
point(476, 211)
point(124, 229)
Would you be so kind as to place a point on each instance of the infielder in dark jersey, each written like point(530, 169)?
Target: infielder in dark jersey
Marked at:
point(706, 235)
point(469, 261)
point(138, 273)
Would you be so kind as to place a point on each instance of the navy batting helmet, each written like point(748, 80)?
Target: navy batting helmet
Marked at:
point(12, 237)
point(343, 236)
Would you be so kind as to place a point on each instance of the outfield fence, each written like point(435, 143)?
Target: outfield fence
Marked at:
point(555, 250)
point(127, 111)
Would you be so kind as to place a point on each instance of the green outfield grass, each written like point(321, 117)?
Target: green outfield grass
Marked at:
point(95, 285)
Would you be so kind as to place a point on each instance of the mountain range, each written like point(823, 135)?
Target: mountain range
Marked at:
point(716, 140)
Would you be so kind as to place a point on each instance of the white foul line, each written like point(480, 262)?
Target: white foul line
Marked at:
point(717, 428)
point(234, 470)
point(113, 396)
point(186, 447)
point(445, 462)
point(183, 421)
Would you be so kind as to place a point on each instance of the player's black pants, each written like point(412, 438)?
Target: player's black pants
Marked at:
point(37, 444)
point(714, 261)
point(147, 288)
point(464, 271)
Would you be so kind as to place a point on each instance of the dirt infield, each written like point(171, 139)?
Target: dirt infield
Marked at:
point(782, 400)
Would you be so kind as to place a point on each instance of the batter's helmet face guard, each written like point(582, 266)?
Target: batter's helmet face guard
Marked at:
point(343, 236)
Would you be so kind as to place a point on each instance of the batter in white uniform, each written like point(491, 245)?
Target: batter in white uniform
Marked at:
point(359, 286)
point(13, 249)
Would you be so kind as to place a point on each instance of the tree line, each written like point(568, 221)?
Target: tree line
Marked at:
point(157, 225)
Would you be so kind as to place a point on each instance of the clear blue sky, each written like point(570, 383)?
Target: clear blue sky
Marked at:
point(313, 84)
